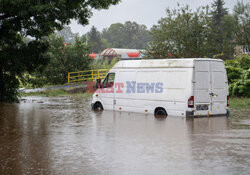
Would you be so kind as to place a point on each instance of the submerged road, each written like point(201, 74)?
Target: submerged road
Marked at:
point(63, 136)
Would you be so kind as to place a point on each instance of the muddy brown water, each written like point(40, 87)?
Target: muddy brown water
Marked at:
point(63, 136)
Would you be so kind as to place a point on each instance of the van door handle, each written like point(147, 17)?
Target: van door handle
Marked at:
point(212, 94)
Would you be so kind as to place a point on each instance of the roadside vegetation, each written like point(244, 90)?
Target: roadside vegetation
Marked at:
point(57, 93)
point(64, 58)
point(238, 72)
point(47, 93)
point(239, 103)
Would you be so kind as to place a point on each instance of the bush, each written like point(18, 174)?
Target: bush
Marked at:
point(238, 72)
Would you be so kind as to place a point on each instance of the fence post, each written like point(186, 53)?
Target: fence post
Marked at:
point(92, 75)
point(68, 77)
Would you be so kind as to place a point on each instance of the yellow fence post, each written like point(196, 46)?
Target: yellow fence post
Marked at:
point(92, 75)
point(68, 77)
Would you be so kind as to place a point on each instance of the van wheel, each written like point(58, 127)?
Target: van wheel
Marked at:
point(160, 112)
point(98, 106)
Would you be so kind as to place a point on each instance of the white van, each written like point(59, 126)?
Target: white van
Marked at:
point(176, 87)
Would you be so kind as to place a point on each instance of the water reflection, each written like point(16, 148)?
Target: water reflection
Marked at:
point(62, 136)
point(23, 130)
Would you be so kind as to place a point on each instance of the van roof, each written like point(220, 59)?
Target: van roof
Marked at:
point(159, 63)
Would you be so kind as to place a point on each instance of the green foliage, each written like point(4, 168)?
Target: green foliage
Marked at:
point(222, 30)
point(67, 35)
point(182, 33)
point(37, 19)
point(105, 44)
point(201, 33)
point(128, 35)
point(238, 72)
point(63, 59)
point(41, 18)
point(114, 35)
point(218, 11)
point(94, 40)
point(233, 73)
point(14, 60)
point(242, 16)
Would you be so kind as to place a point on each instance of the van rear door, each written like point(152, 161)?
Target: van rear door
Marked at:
point(210, 88)
point(202, 86)
point(219, 88)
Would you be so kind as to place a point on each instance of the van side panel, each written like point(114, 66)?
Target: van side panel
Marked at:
point(170, 88)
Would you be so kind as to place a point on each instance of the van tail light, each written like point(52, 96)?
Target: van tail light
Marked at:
point(228, 100)
point(191, 102)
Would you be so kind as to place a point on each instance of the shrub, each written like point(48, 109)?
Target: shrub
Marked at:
point(238, 72)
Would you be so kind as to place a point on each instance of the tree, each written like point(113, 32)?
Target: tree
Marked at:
point(223, 29)
point(22, 18)
point(182, 33)
point(16, 59)
point(136, 35)
point(114, 35)
point(105, 44)
point(67, 35)
point(242, 16)
point(200, 33)
point(94, 39)
point(218, 14)
point(129, 35)
point(64, 59)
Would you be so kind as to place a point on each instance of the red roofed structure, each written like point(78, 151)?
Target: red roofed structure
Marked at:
point(122, 54)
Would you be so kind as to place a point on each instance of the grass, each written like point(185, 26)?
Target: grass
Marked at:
point(239, 112)
point(239, 103)
point(47, 93)
point(57, 93)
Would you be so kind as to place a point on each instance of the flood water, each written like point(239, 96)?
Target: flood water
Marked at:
point(63, 136)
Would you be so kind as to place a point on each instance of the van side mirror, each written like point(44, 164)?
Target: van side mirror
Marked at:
point(98, 83)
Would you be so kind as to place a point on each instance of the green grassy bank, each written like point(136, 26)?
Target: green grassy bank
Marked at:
point(57, 93)
point(239, 103)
